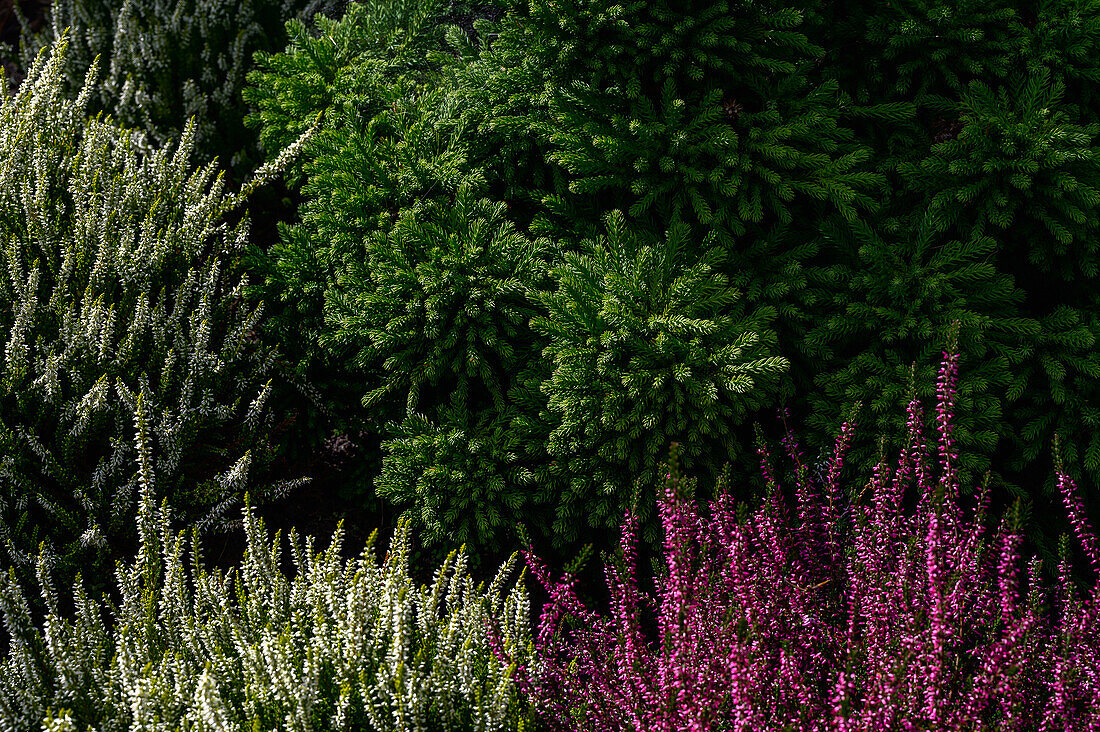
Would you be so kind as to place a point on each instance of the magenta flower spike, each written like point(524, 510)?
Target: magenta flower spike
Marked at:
point(847, 613)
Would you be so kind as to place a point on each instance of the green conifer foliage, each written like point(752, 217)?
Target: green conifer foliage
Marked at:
point(699, 129)
point(362, 76)
point(861, 175)
point(646, 349)
point(889, 313)
point(713, 92)
point(441, 302)
point(995, 173)
point(165, 61)
point(1020, 169)
point(439, 311)
point(402, 136)
point(500, 89)
point(460, 476)
point(415, 286)
point(923, 50)
point(119, 284)
point(1063, 38)
point(666, 109)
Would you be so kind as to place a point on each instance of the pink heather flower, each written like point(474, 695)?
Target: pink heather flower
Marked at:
point(854, 614)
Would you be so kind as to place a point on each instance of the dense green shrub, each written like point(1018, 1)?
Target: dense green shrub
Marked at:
point(648, 346)
point(990, 148)
point(441, 315)
point(121, 281)
point(389, 168)
point(345, 646)
point(696, 109)
point(364, 262)
point(398, 151)
point(164, 62)
point(829, 167)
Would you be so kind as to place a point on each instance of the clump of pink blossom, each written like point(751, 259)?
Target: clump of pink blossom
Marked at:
point(854, 614)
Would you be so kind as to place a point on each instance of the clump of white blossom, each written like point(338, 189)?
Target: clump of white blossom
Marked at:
point(117, 283)
point(345, 646)
point(165, 61)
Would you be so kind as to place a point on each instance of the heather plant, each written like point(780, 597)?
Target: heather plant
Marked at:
point(120, 282)
point(865, 609)
point(167, 61)
point(345, 646)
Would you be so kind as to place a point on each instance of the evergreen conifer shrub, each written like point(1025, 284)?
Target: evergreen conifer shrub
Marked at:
point(482, 347)
point(985, 130)
point(867, 204)
point(381, 52)
point(672, 108)
point(412, 282)
point(646, 346)
point(120, 282)
point(960, 146)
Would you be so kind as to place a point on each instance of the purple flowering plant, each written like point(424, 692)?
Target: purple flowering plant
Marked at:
point(860, 614)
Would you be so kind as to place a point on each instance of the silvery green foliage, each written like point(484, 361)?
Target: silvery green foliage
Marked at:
point(116, 285)
point(168, 60)
point(345, 646)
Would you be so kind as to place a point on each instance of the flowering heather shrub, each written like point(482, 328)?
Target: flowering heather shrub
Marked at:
point(121, 277)
point(858, 614)
point(341, 648)
point(165, 61)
